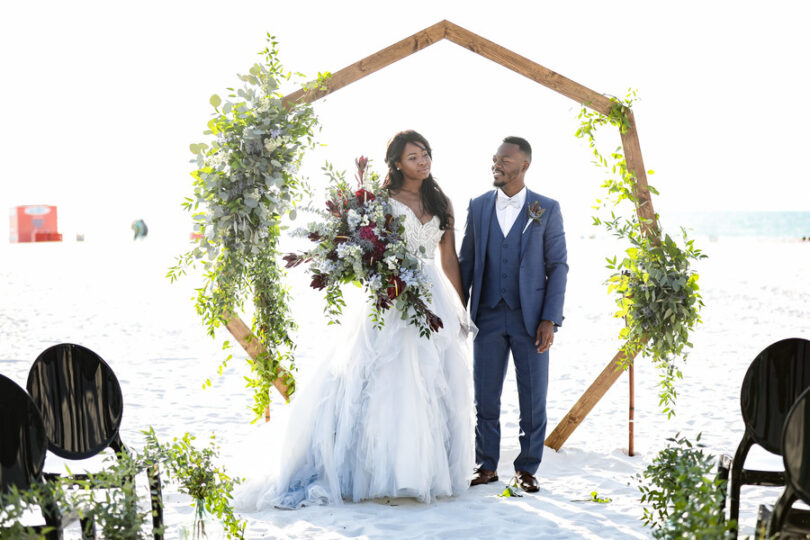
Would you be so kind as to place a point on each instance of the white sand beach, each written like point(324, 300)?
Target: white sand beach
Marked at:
point(114, 299)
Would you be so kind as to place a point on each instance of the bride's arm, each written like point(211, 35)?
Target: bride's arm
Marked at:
point(447, 251)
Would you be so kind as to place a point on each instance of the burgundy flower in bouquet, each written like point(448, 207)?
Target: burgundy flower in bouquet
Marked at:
point(378, 246)
point(364, 195)
point(319, 281)
point(395, 287)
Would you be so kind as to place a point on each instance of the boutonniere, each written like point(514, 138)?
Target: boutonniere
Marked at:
point(535, 214)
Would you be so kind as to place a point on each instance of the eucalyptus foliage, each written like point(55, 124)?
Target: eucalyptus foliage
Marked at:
point(246, 181)
point(682, 496)
point(656, 290)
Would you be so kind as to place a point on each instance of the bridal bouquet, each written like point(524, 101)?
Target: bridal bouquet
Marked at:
point(360, 241)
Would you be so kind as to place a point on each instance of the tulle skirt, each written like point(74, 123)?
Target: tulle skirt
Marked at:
point(389, 415)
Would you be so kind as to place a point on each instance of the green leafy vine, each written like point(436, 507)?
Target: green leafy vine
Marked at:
point(682, 494)
point(245, 183)
point(656, 290)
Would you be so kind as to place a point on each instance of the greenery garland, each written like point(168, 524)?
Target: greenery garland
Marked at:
point(246, 181)
point(656, 290)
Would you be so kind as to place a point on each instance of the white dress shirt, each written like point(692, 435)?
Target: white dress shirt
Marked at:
point(508, 209)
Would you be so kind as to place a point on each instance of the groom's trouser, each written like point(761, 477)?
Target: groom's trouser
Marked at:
point(501, 330)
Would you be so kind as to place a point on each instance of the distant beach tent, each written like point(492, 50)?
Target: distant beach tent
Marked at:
point(33, 223)
point(140, 229)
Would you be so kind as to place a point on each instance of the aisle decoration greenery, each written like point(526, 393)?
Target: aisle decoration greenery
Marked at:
point(247, 180)
point(17, 505)
point(682, 496)
point(198, 476)
point(656, 289)
point(110, 497)
point(107, 499)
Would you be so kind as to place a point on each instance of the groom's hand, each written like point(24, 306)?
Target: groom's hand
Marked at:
point(545, 336)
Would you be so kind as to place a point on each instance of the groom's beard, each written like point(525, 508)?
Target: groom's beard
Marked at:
point(502, 181)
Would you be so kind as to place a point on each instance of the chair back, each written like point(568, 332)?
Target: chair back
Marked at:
point(773, 382)
point(22, 437)
point(796, 447)
point(79, 398)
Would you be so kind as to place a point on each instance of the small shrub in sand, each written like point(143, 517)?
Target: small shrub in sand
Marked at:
point(682, 496)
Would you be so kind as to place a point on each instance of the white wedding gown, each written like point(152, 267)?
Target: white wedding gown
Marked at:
point(392, 413)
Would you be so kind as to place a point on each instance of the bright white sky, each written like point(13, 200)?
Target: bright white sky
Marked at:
point(101, 99)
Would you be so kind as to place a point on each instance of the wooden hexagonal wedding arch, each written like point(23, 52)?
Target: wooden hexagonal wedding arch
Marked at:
point(541, 75)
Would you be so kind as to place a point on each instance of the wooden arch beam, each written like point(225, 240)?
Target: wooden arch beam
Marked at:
point(522, 65)
point(375, 62)
point(469, 40)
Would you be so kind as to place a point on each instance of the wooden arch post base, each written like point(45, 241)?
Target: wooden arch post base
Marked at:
point(241, 332)
point(539, 74)
point(591, 397)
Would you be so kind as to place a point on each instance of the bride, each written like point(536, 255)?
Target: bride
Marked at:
point(391, 414)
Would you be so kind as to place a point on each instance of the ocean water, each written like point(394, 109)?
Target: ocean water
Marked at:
point(783, 225)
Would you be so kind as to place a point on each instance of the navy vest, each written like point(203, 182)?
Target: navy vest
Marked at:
point(502, 263)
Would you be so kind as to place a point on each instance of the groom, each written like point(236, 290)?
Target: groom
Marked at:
point(514, 271)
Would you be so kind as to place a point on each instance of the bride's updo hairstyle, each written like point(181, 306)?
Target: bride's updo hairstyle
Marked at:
point(434, 201)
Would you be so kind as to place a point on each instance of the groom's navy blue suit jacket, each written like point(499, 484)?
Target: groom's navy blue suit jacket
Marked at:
point(543, 267)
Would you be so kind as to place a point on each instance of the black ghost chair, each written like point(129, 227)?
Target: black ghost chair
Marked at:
point(22, 450)
point(774, 380)
point(785, 521)
point(81, 404)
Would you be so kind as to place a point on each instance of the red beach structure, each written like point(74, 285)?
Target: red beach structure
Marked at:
point(34, 223)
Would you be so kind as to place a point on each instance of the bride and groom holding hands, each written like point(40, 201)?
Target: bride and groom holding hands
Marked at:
point(394, 414)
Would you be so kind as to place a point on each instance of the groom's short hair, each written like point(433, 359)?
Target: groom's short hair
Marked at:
point(522, 143)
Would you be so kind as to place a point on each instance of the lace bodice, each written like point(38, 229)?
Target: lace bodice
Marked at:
point(417, 234)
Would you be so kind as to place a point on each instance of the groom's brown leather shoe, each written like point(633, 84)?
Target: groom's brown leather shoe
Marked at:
point(526, 481)
point(483, 476)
